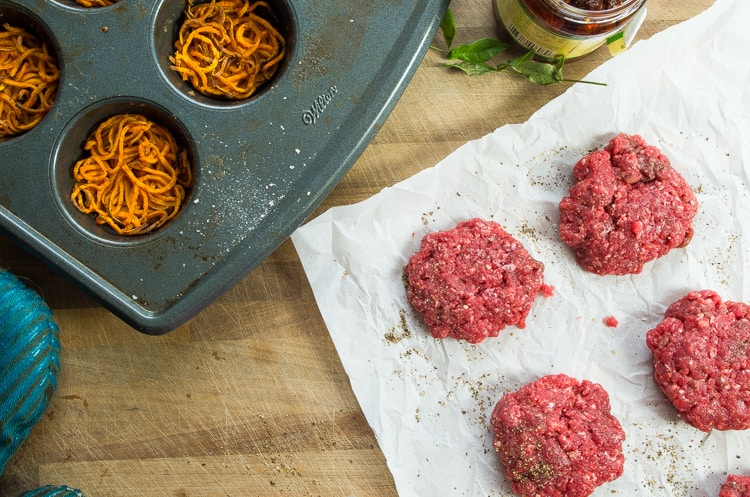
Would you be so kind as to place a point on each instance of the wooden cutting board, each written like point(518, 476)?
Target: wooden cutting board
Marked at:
point(249, 398)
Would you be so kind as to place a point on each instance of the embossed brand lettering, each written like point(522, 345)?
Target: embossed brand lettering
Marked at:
point(311, 115)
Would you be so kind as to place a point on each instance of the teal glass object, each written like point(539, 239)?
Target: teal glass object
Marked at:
point(29, 362)
point(52, 491)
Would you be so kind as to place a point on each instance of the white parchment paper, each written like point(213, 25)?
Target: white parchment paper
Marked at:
point(685, 90)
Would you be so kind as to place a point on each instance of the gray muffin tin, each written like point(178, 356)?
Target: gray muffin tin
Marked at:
point(262, 165)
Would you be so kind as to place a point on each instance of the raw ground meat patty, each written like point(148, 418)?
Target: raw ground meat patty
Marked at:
point(557, 438)
point(736, 486)
point(702, 360)
point(472, 281)
point(627, 207)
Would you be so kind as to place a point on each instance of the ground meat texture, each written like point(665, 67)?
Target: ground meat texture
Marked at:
point(472, 281)
point(702, 360)
point(557, 438)
point(736, 486)
point(628, 206)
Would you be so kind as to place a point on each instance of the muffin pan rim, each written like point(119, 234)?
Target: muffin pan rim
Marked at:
point(297, 201)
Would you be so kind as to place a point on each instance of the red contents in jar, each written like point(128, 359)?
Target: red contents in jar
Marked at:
point(594, 4)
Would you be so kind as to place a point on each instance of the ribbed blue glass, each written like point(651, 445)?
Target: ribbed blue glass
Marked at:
point(52, 491)
point(29, 362)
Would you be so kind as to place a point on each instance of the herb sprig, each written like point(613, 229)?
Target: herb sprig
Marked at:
point(474, 58)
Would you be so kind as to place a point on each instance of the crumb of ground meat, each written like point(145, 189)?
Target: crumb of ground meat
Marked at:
point(472, 281)
point(735, 486)
point(557, 437)
point(628, 206)
point(611, 321)
point(702, 360)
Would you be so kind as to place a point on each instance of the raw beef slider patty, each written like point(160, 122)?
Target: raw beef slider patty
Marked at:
point(557, 438)
point(472, 281)
point(702, 360)
point(736, 486)
point(627, 207)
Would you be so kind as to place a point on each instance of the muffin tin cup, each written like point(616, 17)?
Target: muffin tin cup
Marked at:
point(261, 165)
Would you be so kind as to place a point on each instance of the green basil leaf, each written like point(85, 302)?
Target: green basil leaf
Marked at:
point(474, 58)
point(472, 68)
point(558, 63)
point(480, 51)
point(541, 79)
point(520, 60)
point(448, 27)
point(541, 73)
point(537, 72)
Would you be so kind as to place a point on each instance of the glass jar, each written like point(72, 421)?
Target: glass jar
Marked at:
point(554, 28)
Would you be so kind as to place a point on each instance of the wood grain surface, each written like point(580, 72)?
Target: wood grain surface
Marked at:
point(249, 398)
